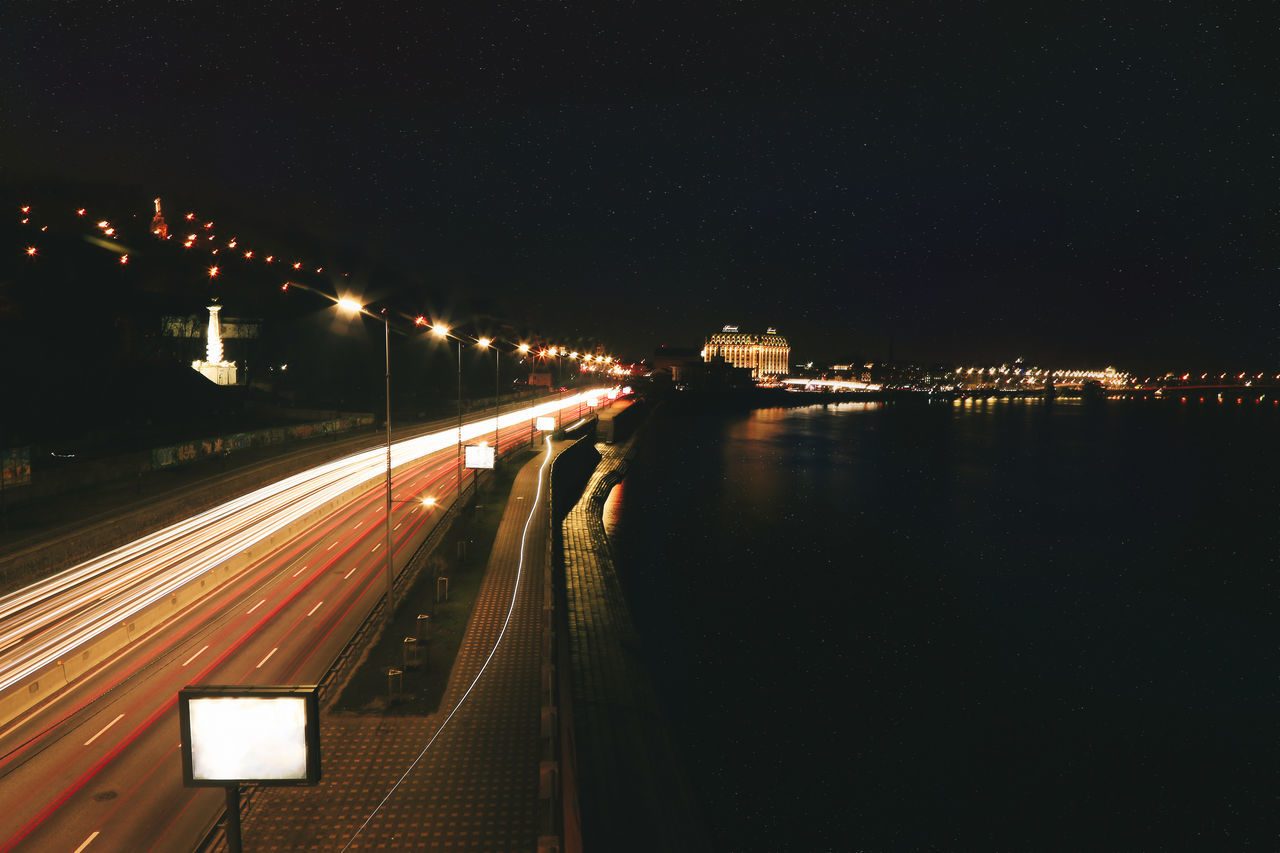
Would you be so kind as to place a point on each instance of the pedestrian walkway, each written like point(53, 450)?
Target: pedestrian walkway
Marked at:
point(477, 787)
point(630, 786)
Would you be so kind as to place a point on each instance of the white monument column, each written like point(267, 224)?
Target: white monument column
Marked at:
point(213, 367)
point(213, 348)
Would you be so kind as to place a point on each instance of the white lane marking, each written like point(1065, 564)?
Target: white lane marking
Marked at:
point(314, 609)
point(256, 606)
point(86, 842)
point(103, 730)
point(350, 573)
point(193, 657)
point(397, 527)
point(376, 547)
point(267, 658)
point(330, 548)
point(357, 527)
point(299, 571)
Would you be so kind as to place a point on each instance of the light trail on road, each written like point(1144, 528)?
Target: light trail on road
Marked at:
point(319, 583)
point(44, 623)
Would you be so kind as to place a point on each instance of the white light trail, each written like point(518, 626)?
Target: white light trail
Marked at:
point(45, 622)
point(832, 383)
point(515, 590)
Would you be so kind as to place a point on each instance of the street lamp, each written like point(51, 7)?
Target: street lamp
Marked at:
point(442, 331)
point(351, 306)
point(559, 352)
point(497, 394)
point(524, 350)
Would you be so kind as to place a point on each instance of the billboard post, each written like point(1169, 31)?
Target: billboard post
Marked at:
point(234, 734)
point(232, 826)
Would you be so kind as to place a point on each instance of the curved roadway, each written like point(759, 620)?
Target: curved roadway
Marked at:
point(95, 766)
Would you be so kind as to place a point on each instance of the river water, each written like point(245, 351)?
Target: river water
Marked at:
point(965, 626)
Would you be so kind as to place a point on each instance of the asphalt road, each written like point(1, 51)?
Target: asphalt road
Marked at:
point(96, 766)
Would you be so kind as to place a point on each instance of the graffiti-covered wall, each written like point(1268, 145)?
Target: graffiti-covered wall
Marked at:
point(15, 466)
point(190, 451)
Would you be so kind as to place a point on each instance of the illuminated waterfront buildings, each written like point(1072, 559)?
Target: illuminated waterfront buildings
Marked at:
point(765, 355)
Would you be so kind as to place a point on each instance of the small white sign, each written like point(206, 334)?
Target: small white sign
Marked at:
point(479, 456)
point(546, 423)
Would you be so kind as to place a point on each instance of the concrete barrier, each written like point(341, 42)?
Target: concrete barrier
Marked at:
point(569, 475)
point(34, 689)
point(90, 655)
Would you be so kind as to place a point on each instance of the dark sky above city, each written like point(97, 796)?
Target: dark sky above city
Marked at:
point(1083, 184)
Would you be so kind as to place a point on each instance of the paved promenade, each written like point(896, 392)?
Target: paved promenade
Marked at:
point(476, 788)
point(631, 789)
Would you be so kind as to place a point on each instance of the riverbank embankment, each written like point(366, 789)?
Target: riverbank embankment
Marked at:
point(621, 769)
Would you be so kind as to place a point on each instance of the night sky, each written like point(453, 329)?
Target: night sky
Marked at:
point(1088, 185)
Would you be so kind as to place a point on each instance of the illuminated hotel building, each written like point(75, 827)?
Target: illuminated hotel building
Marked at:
point(765, 355)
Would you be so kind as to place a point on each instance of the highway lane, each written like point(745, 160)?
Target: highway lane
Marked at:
point(101, 756)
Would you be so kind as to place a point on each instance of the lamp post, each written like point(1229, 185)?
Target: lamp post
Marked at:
point(497, 394)
point(351, 306)
point(524, 350)
point(442, 331)
point(558, 352)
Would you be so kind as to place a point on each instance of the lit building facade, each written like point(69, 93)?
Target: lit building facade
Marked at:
point(765, 355)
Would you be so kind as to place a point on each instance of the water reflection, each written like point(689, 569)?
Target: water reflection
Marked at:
point(965, 599)
point(612, 509)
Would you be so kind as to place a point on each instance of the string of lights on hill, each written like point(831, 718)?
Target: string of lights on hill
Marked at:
point(199, 236)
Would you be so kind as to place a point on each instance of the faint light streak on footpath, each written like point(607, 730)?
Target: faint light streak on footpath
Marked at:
point(524, 536)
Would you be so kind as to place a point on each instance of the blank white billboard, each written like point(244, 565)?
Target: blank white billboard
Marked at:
point(244, 734)
point(546, 423)
point(479, 456)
